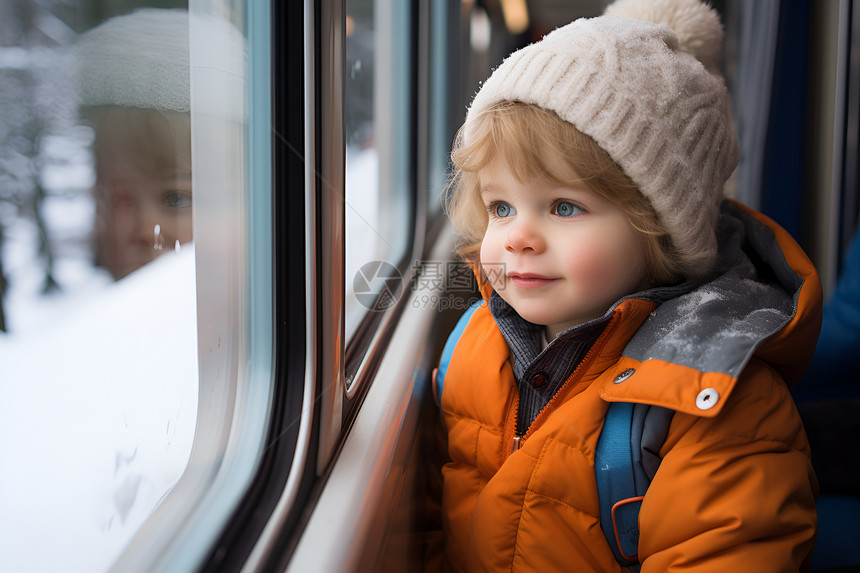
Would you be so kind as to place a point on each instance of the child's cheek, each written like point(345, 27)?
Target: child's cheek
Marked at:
point(591, 264)
point(603, 266)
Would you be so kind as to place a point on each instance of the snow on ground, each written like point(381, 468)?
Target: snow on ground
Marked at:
point(97, 417)
point(98, 379)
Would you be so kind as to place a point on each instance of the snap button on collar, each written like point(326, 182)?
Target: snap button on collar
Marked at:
point(707, 399)
point(624, 376)
point(539, 380)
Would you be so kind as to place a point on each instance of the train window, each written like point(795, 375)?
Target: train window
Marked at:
point(366, 230)
point(98, 307)
point(378, 142)
point(440, 93)
point(135, 277)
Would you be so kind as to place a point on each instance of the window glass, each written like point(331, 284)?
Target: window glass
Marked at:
point(378, 128)
point(104, 230)
point(231, 153)
point(439, 125)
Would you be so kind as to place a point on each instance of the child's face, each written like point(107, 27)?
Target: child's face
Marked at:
point(560, 256)
point(140, 214)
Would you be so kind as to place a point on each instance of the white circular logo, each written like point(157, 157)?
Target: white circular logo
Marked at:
point(377, 285)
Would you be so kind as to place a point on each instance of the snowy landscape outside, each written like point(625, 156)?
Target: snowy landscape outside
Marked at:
point(98, 378)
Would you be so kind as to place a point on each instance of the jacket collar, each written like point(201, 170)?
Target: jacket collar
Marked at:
point(764, 300)
point(718, 325)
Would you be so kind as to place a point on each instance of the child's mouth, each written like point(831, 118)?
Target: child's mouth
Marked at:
point(529, 280)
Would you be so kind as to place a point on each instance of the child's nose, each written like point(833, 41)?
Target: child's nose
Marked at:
point(524, 237)
point(147, 226)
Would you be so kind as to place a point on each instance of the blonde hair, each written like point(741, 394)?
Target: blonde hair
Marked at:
point(528, 138)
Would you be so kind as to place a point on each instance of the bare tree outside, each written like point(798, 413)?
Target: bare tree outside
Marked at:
point(40, 143)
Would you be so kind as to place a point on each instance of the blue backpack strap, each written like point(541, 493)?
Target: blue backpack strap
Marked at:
point(613, 465)
point(448, 351)
point(626, 460)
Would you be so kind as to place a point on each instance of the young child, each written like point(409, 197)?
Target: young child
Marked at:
point(135, 92)
point(588, 198)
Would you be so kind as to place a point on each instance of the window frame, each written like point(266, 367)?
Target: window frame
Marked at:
point(346, 377)
point(194, 527)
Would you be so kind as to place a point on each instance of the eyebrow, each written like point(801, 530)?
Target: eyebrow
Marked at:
point(489, 188)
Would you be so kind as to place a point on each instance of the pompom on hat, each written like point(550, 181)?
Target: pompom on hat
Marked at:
point(643, 81)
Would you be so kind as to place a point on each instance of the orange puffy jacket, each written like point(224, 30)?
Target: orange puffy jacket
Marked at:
point(735, 490)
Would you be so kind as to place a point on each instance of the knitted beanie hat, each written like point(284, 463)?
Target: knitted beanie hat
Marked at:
point(142, 60)
point(643, 81)
point(138, 60)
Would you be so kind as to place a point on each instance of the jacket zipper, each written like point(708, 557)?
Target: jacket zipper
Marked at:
point(513, 414)
point(519, 439)
point(516, 444)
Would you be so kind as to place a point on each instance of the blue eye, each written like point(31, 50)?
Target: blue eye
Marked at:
point(503, 210)
point(177, 200)
point(566, 209)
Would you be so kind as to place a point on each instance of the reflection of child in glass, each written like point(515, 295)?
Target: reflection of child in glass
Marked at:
point(134, 90)
point(588, 197)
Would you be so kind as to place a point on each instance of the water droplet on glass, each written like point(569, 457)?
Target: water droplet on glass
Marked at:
point(158, 242)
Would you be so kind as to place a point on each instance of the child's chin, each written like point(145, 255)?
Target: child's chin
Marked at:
point(533, 311)
point(538, 318)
